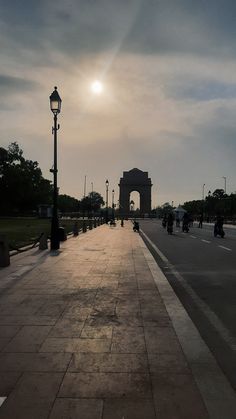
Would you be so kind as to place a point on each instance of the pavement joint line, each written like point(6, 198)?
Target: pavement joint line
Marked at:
point(193, 237)
point(215, 379)
point(205, 241)
point(226, 248)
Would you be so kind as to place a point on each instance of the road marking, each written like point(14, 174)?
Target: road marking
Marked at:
point(194, 347)
point(205, 241)
point(2, 400)
point(226, 248)
point(193, 237)
point(211, 316)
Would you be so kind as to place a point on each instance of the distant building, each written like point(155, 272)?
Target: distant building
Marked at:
point(44, 211)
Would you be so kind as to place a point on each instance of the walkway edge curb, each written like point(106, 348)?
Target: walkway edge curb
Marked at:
point(217, 393)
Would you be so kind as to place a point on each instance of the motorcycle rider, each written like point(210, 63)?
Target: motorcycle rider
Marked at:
point(164, 221)
point(218, 227)
point(185, 226)
point(170, 222)
point(136, 226)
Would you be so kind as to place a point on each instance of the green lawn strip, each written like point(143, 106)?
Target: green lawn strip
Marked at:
point(24, 231)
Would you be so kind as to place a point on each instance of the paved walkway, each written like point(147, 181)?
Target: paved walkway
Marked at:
point(85, 334)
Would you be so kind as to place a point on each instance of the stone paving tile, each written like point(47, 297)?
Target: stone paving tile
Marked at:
point(28, 339)
point(103, 332)
point(106, 385)
point(8, 381)
point(35, 362)
point(66, 328)
point(27, 320)
point(51, 309)
point(33, 396)
point(169, 363)
point(75, 345)
point(108, 362)
point(77, 409)
point(128, 409)
point(77, 313)
point(161, 340)
point(128, 340)
point(4, 342)
point(177, 397)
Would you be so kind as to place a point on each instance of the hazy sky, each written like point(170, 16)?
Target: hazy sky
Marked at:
point(169, 100)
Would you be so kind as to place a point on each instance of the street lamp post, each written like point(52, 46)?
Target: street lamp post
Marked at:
point(224, 177)
point(107, 185)
point(113, 205)
point(203, 191)
point(55, 105)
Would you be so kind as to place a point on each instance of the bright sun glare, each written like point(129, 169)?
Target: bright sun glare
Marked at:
point(97, 87)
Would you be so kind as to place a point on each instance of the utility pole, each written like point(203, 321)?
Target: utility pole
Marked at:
point(85, 186)
point(224, 177)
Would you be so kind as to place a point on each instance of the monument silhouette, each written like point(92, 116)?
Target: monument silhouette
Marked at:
point(135, 180)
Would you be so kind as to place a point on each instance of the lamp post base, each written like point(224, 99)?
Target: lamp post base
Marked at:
point(55, 242)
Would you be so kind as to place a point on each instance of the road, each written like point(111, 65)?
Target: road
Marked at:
point(202, 271)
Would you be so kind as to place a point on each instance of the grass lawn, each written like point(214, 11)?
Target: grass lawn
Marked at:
point(23, 231)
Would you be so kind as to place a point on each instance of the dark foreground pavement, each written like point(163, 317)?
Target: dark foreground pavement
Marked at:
point(96, 332)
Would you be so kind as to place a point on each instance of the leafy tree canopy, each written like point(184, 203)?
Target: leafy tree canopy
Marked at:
point(22, 186)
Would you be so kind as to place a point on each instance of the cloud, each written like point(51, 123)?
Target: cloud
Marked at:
point(10, 85)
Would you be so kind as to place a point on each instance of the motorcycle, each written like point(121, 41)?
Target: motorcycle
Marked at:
point(169, 228)
point(218, 231)
point(136, 227)
point(164, 223)
point(185, 228)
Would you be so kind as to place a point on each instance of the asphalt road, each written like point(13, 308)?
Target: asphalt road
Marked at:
point(202, 271)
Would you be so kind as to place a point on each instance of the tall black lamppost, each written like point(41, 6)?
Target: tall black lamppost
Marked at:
point(107, 185)
point(55, 104)
point(113, 205)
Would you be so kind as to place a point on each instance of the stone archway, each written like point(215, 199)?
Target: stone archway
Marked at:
point(135, 180)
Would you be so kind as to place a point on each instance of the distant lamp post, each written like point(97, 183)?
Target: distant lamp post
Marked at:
point(203, 191)
point(107, 185)
point(224, 177)
point(113, 204)
point(55, 105)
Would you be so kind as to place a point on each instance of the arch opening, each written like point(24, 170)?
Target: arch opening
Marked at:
point(134, 203)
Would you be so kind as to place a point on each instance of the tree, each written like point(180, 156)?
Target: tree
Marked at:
point(92, 202)
point(22, 186)
point(67, 203)
point(219, 194)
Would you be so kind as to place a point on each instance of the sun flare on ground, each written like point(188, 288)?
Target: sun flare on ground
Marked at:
point(96, 87)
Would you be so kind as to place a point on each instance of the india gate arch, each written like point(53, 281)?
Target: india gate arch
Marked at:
point(135, 180)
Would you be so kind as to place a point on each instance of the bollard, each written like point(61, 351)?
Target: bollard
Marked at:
point(76, 229)
point(84, 226)
point(90, 224)
point(98, 221)
point(95, 223)
point(62, 234)
point(4, 252)
point(43, 241)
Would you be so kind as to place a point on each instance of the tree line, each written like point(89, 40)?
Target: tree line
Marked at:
point(216, 203)
point(23, 188)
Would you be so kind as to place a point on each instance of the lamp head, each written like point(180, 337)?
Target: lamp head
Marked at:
point(55, 102)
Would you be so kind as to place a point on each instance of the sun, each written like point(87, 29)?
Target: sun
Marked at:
point(96, 87)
